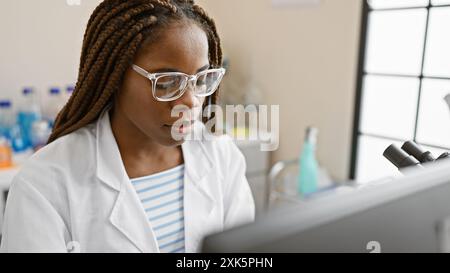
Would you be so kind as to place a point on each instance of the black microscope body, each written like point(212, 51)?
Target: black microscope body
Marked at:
point(411, 154)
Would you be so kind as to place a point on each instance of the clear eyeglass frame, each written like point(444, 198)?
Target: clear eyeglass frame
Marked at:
point(154, 77)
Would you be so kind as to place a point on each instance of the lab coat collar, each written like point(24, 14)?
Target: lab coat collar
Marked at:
point(128, 214)
point(199, 202)
point(110, 168)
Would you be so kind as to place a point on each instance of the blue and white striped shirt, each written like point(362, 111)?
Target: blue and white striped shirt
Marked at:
point(162, 197)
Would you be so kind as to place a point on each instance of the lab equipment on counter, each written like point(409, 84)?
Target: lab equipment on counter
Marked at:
point(5, 153)
point(66, 97)
point(55, 103)
point(410, 155)
point(308, 167)
point(41, 133)
point(29, 112)
point(282, 185)
point(24, 127)
point(417, 152)
point(9, 129)
point(7, 119)
point(69, 91)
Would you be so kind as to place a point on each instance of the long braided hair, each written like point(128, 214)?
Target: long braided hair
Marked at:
point(116, 30)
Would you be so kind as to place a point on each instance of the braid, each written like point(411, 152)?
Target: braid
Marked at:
point(105, 96)
point(84, 102)
point(100, 59)
point(115, 24)
point(168, 5)
point(115, 32)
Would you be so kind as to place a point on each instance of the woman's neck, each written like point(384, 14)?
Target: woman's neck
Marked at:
point(141, 155)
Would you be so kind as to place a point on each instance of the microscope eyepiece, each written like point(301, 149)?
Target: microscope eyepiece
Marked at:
point(411, 154)
point(417, 152)
point(399, 158)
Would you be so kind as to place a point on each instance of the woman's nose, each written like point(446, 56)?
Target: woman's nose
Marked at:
point(189, 99)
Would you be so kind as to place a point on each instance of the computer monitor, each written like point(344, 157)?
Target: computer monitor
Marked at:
point(407, 214)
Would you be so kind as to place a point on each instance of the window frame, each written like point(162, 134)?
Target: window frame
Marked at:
point(357, 133)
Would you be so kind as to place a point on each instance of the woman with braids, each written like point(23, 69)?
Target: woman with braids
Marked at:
point(113, 178)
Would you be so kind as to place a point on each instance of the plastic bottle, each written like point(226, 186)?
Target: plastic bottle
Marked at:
point(5, 153)
point(69, 92)
point(29, 112)
point(17, 139)
point(7, 119)
point(55, 103)
point(308, 166)
point(41, 133)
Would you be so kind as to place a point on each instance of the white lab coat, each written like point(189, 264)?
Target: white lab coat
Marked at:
point(75, 194)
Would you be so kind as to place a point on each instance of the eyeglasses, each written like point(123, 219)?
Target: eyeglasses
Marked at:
point(171, 86)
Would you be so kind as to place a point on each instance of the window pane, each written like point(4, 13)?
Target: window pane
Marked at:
point(395, 41)
point(434, 115)
point(389, 106)
point(372, 165)
point(437, 61)
point(383, 4)
point(440, 2)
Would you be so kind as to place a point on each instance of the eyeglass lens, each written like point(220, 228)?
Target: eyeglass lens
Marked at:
point(171, 86)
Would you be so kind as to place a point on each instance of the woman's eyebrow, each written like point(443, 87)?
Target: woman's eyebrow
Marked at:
point(203, 68)
point(164, 70)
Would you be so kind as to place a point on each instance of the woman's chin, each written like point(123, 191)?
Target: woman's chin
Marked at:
point(168, 139)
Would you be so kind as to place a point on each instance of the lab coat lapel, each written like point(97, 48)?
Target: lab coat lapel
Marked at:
point(127, 214)
point(198, 199)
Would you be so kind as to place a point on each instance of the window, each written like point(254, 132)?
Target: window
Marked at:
point(404, 77)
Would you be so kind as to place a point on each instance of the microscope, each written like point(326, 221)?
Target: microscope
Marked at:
point(411, 155)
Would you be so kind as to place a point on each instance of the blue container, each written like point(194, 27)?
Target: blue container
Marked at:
point(26, 120)
point(6, 118)
point(27, 115)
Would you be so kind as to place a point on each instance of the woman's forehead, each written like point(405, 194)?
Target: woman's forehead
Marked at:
point(180, 47)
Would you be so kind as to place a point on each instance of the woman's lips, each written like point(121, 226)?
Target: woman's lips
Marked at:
point(183, 127)
point(185, 122)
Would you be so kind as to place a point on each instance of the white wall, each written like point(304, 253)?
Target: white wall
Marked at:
point(305, 60)
point(40, 43)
